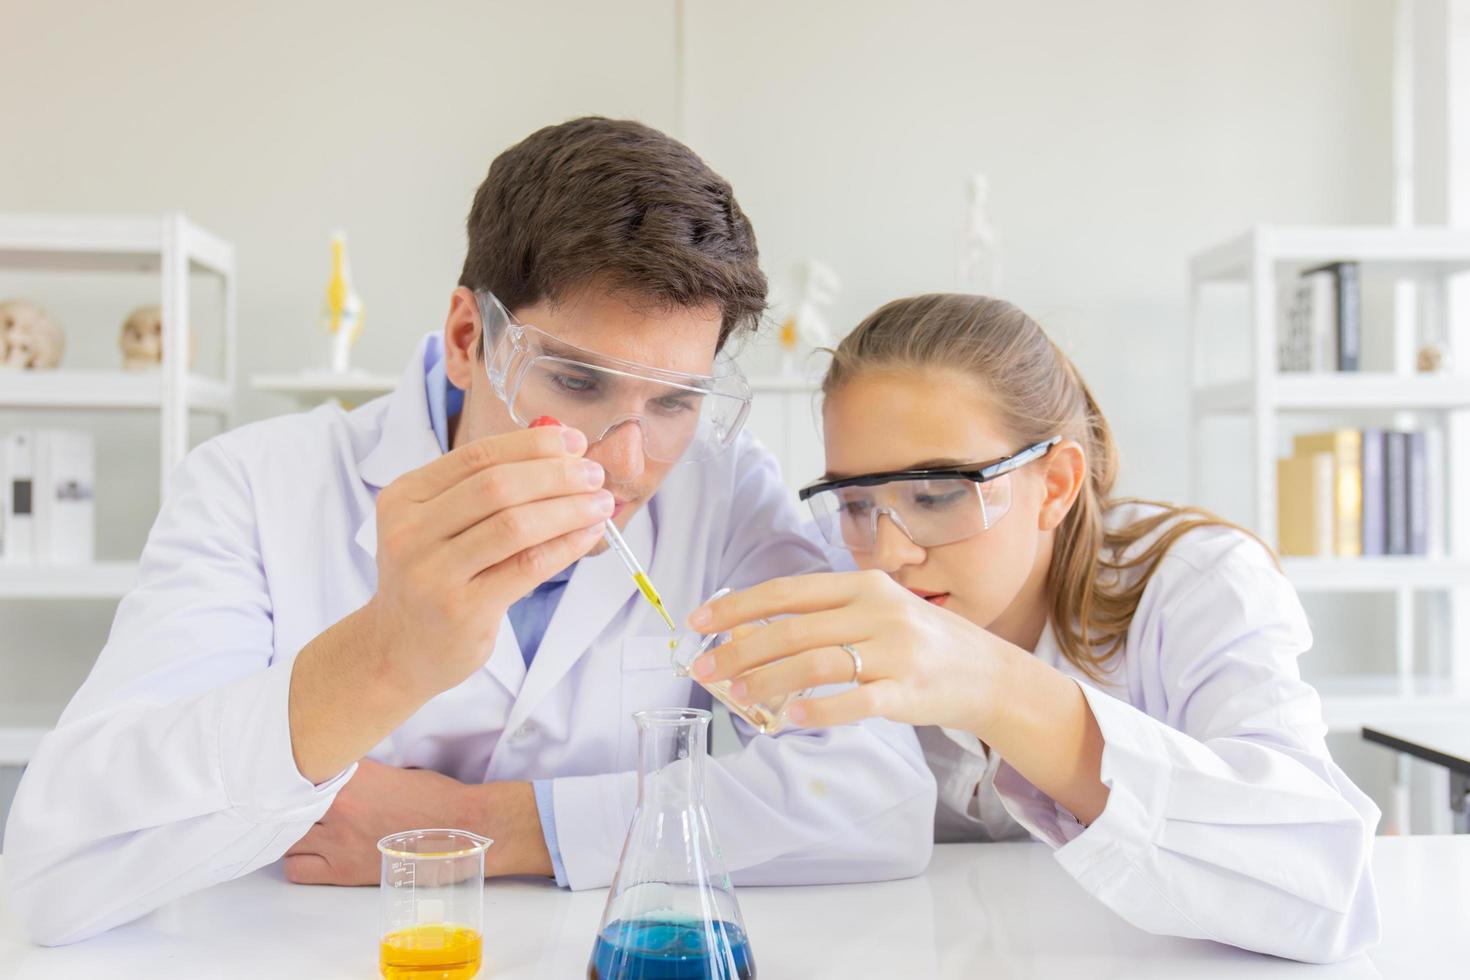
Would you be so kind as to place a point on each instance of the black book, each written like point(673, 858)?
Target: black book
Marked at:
point(1349, 312)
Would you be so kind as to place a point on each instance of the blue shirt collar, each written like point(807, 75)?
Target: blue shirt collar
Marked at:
point(445, 400)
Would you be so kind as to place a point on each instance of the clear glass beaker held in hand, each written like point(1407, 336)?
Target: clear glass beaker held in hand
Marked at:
point(671, 913)
point(433, 894)
point(767, 717)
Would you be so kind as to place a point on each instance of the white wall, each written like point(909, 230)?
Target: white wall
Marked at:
point(1117, 137)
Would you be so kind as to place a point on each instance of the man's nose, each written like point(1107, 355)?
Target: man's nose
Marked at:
point(621, 453)
point(892, 547)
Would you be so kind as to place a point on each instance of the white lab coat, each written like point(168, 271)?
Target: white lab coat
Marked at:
point(172, 769)
point(1226, 819)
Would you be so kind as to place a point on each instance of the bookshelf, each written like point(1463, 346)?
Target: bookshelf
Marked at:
point(171, 248)
point(1421, 265)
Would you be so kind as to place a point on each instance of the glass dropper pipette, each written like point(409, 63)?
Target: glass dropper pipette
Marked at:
point(620, 548)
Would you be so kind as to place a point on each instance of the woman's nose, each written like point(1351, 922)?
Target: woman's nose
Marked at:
point(892, 547)
point(620, 452)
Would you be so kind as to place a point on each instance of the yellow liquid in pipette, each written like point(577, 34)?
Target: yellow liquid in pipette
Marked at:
point(430, 952)
point(654, 599)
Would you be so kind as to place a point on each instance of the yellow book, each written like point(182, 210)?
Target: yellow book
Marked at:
point(1304, 505)
point(1346, 447)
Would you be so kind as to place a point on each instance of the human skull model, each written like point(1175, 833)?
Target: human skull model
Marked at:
point(142, 338)
point(29, 337)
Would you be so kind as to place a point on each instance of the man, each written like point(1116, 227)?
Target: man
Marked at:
point(353, 624)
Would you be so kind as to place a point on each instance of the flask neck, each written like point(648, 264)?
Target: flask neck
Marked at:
point(671, 748)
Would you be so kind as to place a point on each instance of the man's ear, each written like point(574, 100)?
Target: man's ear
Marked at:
point(462, 338)
point(1064, 470)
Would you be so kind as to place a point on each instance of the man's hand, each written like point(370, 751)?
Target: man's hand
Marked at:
point(464, 537)
point(459, 541)
point(342, 847)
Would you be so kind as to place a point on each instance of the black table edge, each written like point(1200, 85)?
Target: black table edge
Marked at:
point(1450, 762)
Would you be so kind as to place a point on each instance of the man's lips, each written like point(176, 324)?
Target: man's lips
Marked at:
point(620, 505)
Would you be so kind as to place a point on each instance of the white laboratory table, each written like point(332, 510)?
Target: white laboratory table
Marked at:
point(981, 910)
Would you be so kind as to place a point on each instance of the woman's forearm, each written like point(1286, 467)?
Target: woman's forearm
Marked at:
point(1038, 720)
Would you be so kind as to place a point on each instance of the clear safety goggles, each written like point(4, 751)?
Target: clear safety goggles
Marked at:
point(682, 417)
point(932, 507)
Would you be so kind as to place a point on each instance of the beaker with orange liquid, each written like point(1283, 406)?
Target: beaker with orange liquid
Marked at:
point(433, 897)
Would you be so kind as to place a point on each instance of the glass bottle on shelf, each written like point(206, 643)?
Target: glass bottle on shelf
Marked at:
point(978, 265)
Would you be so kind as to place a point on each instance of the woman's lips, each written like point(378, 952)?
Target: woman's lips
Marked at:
point(933, 598)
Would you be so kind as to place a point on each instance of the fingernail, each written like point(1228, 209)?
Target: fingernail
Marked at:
point(594, 473)
point(605, 502)
point(740, 692)
point(700, 618)
point(796, 714)
point(573, 440)
point(704, 666)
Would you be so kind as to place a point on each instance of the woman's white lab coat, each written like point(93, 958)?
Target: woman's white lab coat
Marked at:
point(172, 767)
point(1226, 819)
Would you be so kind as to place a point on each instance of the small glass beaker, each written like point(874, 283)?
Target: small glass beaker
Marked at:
point(671, 913)
point(433, 904)
point(767, 717)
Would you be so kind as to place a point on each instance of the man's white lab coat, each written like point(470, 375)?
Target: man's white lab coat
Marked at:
point(172, 768)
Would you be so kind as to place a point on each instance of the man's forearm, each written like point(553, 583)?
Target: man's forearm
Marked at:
point(343, 701)
point(506, 813)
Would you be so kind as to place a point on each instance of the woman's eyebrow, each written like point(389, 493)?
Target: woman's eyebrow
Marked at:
point(944, 463)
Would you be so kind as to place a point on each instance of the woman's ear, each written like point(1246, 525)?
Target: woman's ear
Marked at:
point(461, 338)
point(1064, 470)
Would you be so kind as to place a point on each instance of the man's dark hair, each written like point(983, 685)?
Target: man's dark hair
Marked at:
point(618, 205)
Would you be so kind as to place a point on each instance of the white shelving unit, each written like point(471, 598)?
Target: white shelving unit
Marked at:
point(314, 387)
point(172, 248)
point(1421, 263)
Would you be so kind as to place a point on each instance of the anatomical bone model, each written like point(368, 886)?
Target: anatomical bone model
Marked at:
point(141, 340)
point(29, 338)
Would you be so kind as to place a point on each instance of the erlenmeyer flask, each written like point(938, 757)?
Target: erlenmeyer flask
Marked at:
point(671, 913)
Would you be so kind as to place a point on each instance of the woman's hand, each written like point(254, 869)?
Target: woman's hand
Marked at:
point(921, 664)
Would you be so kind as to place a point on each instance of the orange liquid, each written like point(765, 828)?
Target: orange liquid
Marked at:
point(432, 952)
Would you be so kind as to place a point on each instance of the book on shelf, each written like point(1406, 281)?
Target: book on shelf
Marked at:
point(1349, 311)
point(16, 474)
point(1346, 449)
point(1353, 492)
point(1417, 490)
point(1320, 320)
point(1375, 510)
point(1396, 493)
point(1307, 324)
point(1304, 508)
point(48, 513)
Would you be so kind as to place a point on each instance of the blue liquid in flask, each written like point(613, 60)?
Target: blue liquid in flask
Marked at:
point(671, 949)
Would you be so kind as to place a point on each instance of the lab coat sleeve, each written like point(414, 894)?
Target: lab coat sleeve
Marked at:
point(1226, 819)
point(172, 767)
point(854, 803)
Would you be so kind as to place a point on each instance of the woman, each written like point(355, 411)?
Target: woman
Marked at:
point(1116, 678)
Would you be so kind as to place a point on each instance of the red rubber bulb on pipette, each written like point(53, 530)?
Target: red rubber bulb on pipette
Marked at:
point(544, 421)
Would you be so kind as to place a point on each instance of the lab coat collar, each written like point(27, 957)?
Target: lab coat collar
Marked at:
point(406, 441)
point(600, 589)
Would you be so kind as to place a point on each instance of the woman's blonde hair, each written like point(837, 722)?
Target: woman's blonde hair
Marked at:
point(1038, 394)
